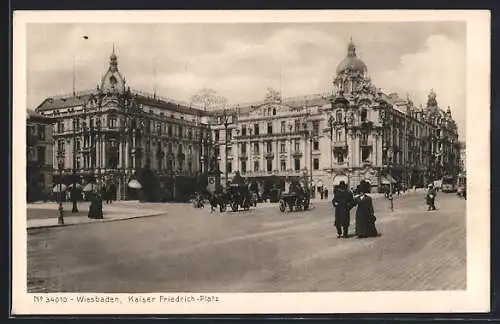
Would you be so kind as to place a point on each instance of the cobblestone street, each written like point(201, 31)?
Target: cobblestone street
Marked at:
point(261, 250)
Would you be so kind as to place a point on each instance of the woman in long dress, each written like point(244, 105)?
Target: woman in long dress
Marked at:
point(365, 216)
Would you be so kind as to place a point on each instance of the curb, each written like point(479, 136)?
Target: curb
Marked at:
point(104, 220)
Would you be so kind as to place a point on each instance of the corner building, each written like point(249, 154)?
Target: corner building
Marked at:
point(354, 133)
point(109, 133)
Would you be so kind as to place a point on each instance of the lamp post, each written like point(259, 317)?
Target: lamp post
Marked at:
point(60, 166)
point(73, 189)
point(331, 124)
point(225, 120)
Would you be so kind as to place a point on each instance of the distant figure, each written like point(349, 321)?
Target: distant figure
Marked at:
point(365, 215)
point(430, 198)
point(326, 193)
point(343, 202)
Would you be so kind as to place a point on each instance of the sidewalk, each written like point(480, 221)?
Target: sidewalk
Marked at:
point(114, 212)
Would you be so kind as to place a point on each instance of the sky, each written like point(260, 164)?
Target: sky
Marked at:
point(240, 61)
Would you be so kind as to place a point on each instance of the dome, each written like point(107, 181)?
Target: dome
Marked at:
point(351, 62)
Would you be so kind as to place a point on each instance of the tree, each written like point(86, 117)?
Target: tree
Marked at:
point(208, 98)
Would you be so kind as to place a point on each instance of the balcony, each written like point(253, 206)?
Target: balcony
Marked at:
point(243, 155)
point(297, 153)
point(256, 153)
point(269, 155)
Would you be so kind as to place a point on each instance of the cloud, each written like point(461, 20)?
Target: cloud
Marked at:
point(241, 61)
point(440, 65)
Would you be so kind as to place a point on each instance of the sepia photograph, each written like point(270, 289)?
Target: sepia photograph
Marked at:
point(230, 162)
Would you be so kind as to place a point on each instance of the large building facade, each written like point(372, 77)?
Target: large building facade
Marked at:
point(354, 133)
point(38, 156)
point(110, 133)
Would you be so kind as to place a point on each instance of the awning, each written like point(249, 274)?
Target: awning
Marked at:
point(388, 179)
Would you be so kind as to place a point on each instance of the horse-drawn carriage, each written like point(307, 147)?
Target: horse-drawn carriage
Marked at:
point(294, 200)
point(238, 195)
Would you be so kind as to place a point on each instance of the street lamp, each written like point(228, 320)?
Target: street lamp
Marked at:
point(225, 121)
point(73, 189)
point(60, 166)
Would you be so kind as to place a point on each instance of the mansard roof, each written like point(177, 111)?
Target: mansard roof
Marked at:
point(80, 99)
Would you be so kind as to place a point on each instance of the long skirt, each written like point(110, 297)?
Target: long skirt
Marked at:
point(365, 226)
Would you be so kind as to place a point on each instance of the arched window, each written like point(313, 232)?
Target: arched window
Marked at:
point(274, 111)
point(364, 114)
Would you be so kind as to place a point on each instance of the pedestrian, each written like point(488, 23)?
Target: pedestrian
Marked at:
point(322, 193)
point(365, 215)
point(343, 202)
point(430, 198)
point(326, 193)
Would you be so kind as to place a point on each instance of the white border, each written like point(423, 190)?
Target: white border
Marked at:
point(475, 299)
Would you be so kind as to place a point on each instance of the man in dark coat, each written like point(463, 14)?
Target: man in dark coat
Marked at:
point(343, 201)
point(365, 216)
point(431, 198)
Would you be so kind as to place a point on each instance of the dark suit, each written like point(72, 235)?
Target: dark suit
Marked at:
point(365, 217)
point(343, 201)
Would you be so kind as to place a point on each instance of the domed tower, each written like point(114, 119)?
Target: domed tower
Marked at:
point(113, 81)
point(351, 71)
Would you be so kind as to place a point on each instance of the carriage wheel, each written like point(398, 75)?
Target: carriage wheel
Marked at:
point(282, 205)
point(234, 206)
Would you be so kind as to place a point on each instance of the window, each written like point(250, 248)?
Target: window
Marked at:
point(243, 166)
point(181, 133)
point(283, 165)
point(296, 123)
point(229, 134)
point(283, 127)
point(256, 129)
point(364, 139)
point(243, 130)
point(364, 115)
point(169, 130)
point(41, 154)
point(297, 146)
point(270, 128)
point(338, 136)
point(269, 165)
point(269, 147)
point(243, 148)
point(60, 126)
point(283, 147)
point(190, 166)
point(339, 118)
point(78, 145)
point(256, 166)
point(111, 122)
point(316, 164)
point(315, 145)
point(256, 148)
point(60, 146)
point(297, 164)
point(340, 157)
point(217, 136)
point(315, 127)
point(41, 132)
point(274, 111)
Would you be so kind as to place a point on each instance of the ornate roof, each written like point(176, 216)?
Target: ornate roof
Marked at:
point(351, 62)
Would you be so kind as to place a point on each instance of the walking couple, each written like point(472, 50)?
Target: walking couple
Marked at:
point(343, 201)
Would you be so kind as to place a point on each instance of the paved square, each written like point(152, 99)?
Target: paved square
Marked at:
point(262, 250)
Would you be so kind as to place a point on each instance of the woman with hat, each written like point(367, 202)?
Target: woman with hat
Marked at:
point(343, 201)
point(365, 216)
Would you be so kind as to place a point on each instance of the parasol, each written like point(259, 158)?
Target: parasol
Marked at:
point(134, 184)
point(90, 187)
point(59, 188)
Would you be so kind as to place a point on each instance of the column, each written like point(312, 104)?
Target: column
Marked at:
point(103, 153)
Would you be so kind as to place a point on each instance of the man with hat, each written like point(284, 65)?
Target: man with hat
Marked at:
point(431, 197)
point(343, 201)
